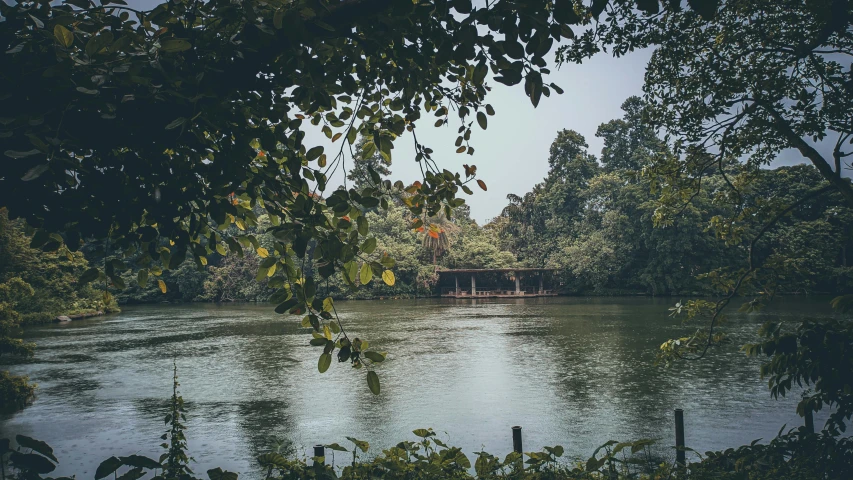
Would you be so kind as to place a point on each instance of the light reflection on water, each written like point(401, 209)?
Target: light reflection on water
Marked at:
point(572, 371)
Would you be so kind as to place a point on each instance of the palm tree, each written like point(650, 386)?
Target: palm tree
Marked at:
point(436, 236)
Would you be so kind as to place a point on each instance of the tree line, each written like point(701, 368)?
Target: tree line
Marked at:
point(597, 219)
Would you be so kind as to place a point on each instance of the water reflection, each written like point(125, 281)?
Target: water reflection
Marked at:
point(572, 371)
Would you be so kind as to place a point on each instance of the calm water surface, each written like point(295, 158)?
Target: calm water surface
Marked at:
point(571, 371)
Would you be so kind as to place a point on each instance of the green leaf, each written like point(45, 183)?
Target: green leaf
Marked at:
point(36, 446)
point(374, 356)
point(361, 444)
point(174, 45)
point(140, 461)
point(16, 154)
point(366, 274)
point(482, 120)
point(314, 153)
point(107, 467)
point(63, 36)
point(133, 474)
point(89, 275)
point(351, 270)
point(34, 172)
point(142, 278)
point(373, 382)
point(286, 306)
point(39, 238)
point(176, 123)
point(362, 225)
point(98, 42)
point(219, 474)
point(31, 462)
point(272, 459)
point(336, 447)
point(369, 245)
point(423, 433)
point(324, 362)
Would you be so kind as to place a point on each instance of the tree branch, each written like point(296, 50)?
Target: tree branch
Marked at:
point(843, 185)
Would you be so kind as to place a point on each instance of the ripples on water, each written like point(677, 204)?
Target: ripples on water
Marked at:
point(571, 371)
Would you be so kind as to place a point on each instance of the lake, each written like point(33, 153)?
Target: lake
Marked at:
point(572, 371)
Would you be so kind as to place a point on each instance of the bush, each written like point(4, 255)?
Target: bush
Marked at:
point(15, 391)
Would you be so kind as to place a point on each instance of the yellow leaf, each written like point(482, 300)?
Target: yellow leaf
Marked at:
point(63, 36)
point(326, 332)
point(271, 270)
point(203, 260)
point(240, 224)
point(162, 285)
point(220, 249)
point(336, 137)
point(171, 242)
point(388, 278)
point(263, 252)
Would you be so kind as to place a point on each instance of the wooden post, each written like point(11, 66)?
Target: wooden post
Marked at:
point(473, 285)
point(516, 439)
point(517, 284)
point(809, 419)
point(680, 457)
point(456, 277)
point(319, 451)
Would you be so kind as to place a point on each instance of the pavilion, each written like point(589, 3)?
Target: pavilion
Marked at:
point(497, 282)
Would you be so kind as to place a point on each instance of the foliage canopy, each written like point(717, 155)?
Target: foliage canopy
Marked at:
point(129, 126)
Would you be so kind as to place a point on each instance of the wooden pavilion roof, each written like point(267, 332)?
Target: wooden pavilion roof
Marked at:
point(495, 270)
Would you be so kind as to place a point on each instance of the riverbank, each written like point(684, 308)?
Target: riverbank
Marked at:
point(42, 318)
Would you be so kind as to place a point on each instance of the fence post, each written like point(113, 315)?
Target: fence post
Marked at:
point(516, 439)
point(809, 419)
point(680, 457)
point(319, 451)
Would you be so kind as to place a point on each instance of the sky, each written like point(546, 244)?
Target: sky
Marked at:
point(511, 155)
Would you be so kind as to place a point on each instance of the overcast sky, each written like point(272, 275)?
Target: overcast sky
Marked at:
point(512, 154)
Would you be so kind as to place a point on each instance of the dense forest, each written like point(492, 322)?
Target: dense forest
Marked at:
point(596, 219)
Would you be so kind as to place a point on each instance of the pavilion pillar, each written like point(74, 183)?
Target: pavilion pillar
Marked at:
point(456, 277)
point(517, 284)
point(473, 285)
point(541, 283)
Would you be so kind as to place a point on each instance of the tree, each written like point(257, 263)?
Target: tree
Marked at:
point(14, 390)
point(733, 84)
point(128, 126)
point(359, 172)
point(745, 80)
point(437, 231)
point(630, 143)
